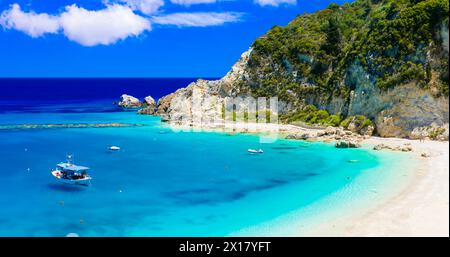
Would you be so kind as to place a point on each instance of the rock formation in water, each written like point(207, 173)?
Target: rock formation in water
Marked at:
point(150, 106)
point(371, 66)
point(128, 101)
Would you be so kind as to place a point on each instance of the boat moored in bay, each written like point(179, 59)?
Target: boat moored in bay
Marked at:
point(255, 151)
point(69, 173)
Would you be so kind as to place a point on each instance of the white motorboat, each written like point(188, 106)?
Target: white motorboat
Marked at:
point(255, 151)
point(114, 148)
point(69, 173)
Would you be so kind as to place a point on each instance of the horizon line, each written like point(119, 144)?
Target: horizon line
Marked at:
point(194, 77)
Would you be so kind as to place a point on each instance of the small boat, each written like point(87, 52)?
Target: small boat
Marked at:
point(114, 148)
point(69, 173)
point(255, 151)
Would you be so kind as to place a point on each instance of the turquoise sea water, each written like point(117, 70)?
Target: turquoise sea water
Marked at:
point(162, 182)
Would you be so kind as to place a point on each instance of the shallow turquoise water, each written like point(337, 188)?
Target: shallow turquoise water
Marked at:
point(162, 183)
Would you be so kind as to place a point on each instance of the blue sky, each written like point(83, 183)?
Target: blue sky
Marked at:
point(135, 38)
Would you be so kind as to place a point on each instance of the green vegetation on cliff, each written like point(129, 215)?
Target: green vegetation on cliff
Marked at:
point(327, 54)
point(309, 114)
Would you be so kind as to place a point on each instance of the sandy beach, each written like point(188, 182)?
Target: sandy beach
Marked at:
point(420, 209)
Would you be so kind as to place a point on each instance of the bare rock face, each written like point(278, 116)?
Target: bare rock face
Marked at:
point(395, 112)
point(149, 101)
point(128, 101)
point(150, 106)
point(164, 103)
point(147, 111)
point(367, 131)
point(360, 129)
point(409, 111)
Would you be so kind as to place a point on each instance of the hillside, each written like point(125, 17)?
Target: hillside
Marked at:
point(379, 63)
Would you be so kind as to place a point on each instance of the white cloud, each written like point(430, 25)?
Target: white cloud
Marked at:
point(145, 6)
point(102, 27)
point(191, 2)
point(199, 19)
point(108, 25)
point(275, 2)
point(31, 23)
point(88, 28)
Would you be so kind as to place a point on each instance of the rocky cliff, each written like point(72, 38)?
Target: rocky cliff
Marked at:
point(384, 60)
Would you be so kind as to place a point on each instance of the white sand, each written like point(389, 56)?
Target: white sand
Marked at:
point(422, 209)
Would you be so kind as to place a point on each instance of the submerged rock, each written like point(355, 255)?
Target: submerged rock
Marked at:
point(71, 125)
point(128, 101)
point(347, 144)
point(300, 136)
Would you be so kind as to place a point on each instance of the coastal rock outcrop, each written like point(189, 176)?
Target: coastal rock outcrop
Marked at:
point(149, 101)
point(403, 148)
point(356, 126)
point(150, 106)
point(425, 155)
point(302, 136)
point(433, 131)
point(64, 126)
point(410, 110)
point(344, 138)
point(128, 101)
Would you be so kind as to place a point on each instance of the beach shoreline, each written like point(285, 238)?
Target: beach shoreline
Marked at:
point(421, 208)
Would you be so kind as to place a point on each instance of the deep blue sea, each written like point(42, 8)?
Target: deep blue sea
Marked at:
point(162, 182)
point(32, 95)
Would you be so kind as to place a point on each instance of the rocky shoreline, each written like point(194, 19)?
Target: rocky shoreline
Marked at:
point(343, 138)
